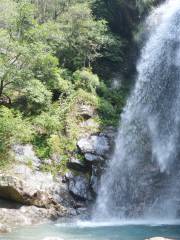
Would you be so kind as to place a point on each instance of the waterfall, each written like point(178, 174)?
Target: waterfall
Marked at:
point(143, 177)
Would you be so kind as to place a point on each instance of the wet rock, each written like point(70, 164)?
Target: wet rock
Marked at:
point(25, 215)
point(95, 178)
point(77, 165)
point(4, 228)
point(79, 187)
point(110, 132)
point(26, 155)
point(98, 145)
point(93, 158)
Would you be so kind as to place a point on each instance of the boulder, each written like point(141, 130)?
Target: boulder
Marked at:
point(4, 228)
point(95, 144)
point(18, 190)
point(79, 186)
point(92, 158)
point(25, 186)
point(25, 215)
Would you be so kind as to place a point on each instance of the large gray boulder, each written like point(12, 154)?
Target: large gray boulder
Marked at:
point(25, 186)
point(79, 186)
point(95, 144)
point(25, 215)
point(92, 158)
point(16, 189)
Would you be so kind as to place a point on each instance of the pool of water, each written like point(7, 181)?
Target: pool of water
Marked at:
point(82, 230)
point(96, 231)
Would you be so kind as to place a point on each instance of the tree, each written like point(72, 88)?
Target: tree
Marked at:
point(81, 37)
point(51, 9)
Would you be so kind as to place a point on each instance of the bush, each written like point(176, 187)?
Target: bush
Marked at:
point(37, 96)
point(49, 122)
point(86, 80)
point(13, 129)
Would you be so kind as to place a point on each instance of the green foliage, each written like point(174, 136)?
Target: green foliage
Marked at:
point(37, 96)
point(24, 20)
point(41, 146)
point(86, 80)
point(82, 37)
point(51, 56)
point(13, 129)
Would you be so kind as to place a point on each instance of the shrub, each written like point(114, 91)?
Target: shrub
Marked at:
point(13, 129)
point(37, 96)
point(86, 80)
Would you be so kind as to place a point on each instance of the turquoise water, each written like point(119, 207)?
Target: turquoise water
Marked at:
point(101, 231)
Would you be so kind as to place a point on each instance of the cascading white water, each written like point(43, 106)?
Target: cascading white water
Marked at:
point(143, 177)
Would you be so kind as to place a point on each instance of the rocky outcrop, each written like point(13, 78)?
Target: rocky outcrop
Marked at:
point(25, 154)
point(95, 144)
point(86, 111)
point(79, 186)
point(95, 149)
point(78, 165)
point(25, 215)
point(36, 196)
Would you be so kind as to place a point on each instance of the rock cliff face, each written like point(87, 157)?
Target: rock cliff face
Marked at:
point(96, 149)
point(28, 195)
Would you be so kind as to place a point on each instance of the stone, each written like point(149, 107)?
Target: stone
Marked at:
point(15, 189)
point(89, 124)
point(22, 185)
point(25, 215)
point(110, 133)
point(4, 228)
point(79, 187)
point(94, 144)
point(86, 111)
point(93, 158)
point(95, 177)
point(77, 165)
point(25, 154)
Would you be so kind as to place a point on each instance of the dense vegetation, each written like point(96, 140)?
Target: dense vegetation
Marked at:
point(54, 55)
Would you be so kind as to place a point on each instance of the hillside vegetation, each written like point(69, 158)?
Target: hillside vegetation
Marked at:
point(55, 55)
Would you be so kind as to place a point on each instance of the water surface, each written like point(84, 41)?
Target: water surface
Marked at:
point(95, 231)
